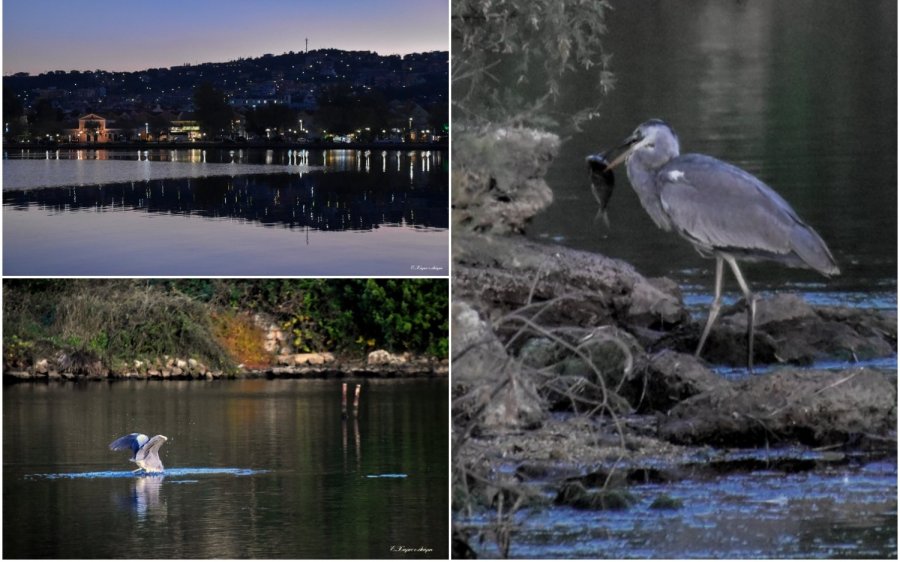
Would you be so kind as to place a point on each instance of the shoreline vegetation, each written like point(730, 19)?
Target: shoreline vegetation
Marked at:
point(207, 329)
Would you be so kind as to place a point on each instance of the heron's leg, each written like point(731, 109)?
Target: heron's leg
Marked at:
point(713, 308)
point(751, 309)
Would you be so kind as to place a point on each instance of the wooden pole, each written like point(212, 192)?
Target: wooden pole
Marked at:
point(356, 400)
point(344, 400)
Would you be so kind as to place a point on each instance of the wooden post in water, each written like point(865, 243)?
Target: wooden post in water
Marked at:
point(356, 400)
point(344, 400)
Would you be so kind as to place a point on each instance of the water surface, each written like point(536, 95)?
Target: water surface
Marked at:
point(198, 212)
point(261, 469)
point(802, 94)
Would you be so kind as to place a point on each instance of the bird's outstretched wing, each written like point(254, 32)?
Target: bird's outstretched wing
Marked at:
point(149, 453)
point(719, 207)
point(133, 441)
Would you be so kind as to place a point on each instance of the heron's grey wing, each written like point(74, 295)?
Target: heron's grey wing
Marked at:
point(133, 441)
point(721, 207)
point(149, 453)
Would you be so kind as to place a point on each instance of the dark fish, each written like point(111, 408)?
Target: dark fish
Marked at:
point(602, 182)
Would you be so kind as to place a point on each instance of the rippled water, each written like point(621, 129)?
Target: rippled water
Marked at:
point(844, 511)
point(186, 212)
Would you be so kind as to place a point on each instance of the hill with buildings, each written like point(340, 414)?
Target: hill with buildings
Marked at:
point(295, 95)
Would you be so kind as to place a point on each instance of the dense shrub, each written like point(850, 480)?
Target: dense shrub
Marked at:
point(118, 321)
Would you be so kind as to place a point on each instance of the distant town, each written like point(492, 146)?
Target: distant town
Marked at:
point(324, 95)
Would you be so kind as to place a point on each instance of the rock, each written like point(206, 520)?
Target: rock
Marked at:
point(488, 388)
point(789, 330)
point(192, 363)
point(177, 371)
point(505, 273)
point(284, 359)
point(579, 368)
point(667, 378)
point(308, 359)
point(382, 357)
point(498, 178)
point(42, 366)
point(574, 494)
point(818, 408)
point(153, 373)
point(327, 357)
point(181, 364)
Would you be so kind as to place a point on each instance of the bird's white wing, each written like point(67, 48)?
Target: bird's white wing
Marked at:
point(149, 453)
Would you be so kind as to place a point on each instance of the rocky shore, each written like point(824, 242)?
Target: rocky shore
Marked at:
point(574, 376)
point(303, 365)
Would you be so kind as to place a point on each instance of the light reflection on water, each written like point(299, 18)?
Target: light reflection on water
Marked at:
point(349, 218)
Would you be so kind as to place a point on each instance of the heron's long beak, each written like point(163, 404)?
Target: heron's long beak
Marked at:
point(618, 154)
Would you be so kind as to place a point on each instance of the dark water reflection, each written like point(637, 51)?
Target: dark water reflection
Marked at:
point(357, 212)
point(801, 93)
point(321, 201)
point(310, 499)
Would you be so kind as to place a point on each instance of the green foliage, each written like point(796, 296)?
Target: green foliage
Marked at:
point(510, 57)
point(120, 320)
point(339, 314)
point(112, 320)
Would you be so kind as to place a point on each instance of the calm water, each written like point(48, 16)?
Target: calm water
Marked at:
point(263, 469)
point(356, 213)
point(803, 94)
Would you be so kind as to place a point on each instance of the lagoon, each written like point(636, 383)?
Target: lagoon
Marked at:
point(254, 469)
point(225, 212)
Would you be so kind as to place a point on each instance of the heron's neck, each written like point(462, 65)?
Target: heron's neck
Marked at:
point(643, 181)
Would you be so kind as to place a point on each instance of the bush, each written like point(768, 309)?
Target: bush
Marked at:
point(118, 321)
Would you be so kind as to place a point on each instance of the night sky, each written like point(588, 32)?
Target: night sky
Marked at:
point(117, 35)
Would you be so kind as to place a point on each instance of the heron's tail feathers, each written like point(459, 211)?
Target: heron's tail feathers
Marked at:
point(810, 248)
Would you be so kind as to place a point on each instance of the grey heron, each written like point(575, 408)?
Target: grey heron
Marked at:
point(145, 450)
point(722, 210)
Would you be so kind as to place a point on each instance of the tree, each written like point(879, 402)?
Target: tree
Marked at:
point(13, 111)
point(212, 110)
point(46, 120)
point(510, 57)
point(277, 117)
